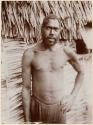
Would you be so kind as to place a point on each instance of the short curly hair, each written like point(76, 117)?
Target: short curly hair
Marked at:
point(50, 16)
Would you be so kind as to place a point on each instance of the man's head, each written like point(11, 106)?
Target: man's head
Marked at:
point(51, 30)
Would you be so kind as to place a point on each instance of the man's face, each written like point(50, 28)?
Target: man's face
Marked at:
point(51, 32)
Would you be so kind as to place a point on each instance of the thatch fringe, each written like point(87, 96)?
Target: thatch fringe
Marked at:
point(22, 19)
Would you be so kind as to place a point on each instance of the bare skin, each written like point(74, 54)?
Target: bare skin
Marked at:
point(48, 75)
point(45, 63)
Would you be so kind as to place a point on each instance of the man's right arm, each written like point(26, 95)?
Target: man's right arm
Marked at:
point(26, 89)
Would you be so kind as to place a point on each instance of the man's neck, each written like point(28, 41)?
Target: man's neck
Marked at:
point(52, 48)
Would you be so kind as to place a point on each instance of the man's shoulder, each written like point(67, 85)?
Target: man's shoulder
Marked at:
point(70, 53)
point(29, 52)
point(68, 50)
point(31, 49)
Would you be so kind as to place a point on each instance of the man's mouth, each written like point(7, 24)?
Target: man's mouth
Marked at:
point(51, 38)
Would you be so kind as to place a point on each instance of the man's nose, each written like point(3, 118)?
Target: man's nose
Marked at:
point(51, 31)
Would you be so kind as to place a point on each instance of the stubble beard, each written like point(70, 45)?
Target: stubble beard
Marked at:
point(49, 43)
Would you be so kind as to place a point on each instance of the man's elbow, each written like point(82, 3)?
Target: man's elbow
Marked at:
point(81, 72)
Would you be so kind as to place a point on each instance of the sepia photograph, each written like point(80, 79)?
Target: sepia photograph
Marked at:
point(46, 62)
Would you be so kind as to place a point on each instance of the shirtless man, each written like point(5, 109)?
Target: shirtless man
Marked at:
point(44, 63)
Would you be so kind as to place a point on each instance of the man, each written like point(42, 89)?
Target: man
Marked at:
point(45, 63)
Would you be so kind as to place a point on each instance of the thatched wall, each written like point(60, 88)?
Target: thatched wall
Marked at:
point(18, 19)
point(24, 19)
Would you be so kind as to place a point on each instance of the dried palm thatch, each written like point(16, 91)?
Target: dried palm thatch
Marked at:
point(23, 18)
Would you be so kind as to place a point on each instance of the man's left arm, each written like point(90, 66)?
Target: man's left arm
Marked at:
point(74, 61)
point(80, 74)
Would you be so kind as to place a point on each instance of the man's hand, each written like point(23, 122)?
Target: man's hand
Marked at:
point(68, 102)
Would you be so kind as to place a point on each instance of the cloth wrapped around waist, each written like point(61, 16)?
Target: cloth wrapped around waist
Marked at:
point(41, 112)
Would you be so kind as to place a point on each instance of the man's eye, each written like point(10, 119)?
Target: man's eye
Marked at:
point(47, 27)
point(56, 29)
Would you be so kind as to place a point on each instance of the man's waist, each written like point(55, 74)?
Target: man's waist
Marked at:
point(48, 98)
point(46, 103)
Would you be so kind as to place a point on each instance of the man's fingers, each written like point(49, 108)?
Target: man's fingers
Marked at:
point(67, 107)
point(67, 110)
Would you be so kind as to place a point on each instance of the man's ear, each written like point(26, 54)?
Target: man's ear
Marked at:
point(60, 35)
point(41, 29)
point(60, 32)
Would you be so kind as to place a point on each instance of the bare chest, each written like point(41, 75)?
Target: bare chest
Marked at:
point(49, 61)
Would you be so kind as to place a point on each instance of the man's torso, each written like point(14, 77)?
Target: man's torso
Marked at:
point(48, 74)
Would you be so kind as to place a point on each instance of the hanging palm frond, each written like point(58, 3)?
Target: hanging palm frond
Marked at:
point(33, 12)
